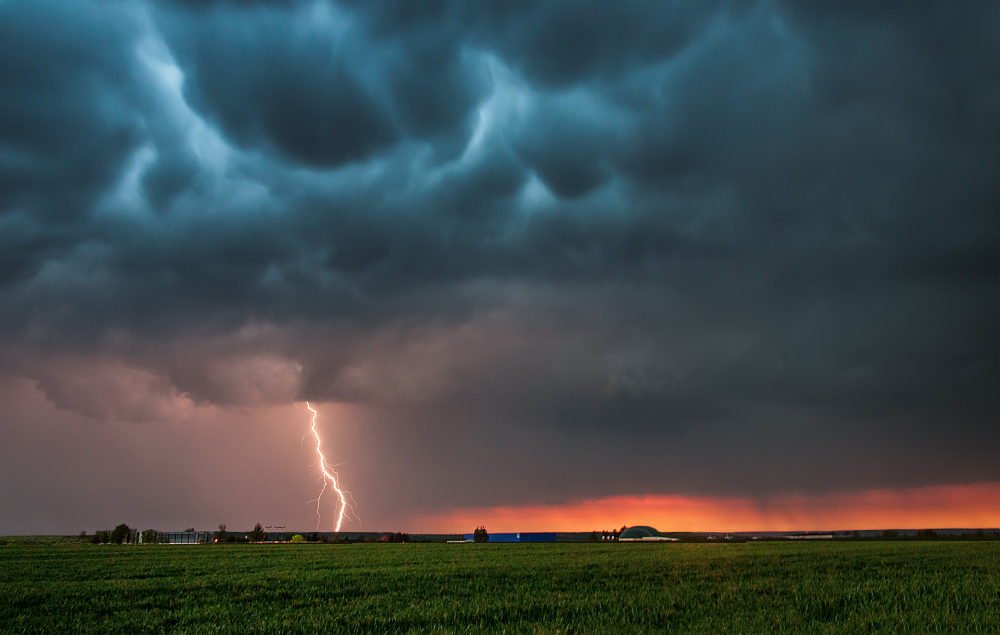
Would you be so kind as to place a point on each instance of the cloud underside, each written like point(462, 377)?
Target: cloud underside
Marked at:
point(765, 226)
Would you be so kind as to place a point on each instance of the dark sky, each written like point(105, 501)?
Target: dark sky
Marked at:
point(528, 253)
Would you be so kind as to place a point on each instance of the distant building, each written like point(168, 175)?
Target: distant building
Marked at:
point(643, 533)
point(532, 536)
point(186, 537)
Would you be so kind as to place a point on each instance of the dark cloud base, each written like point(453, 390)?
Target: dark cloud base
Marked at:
point(735, 244)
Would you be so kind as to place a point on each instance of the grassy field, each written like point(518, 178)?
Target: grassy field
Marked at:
point(764, 587)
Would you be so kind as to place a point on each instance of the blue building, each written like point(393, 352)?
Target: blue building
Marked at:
point(524, 536)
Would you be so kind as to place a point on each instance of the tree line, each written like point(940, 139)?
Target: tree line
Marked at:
point(123, 534)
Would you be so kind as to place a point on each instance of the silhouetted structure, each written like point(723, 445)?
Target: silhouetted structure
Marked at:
point(642, 533)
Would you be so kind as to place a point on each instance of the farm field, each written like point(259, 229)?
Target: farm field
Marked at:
point(763, 587)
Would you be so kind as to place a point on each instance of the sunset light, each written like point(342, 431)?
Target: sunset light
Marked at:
point(957, 506)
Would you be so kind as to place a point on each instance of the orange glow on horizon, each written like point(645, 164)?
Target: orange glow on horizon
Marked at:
point(938, 506)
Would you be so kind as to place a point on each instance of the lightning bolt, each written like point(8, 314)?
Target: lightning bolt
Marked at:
point(329, 475)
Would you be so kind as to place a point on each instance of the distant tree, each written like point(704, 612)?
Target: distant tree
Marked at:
point(83, 536)
point(594, 537)
point(119, 534)
point(927, 533)
point(258, 534)
point(480, 535)
point(100, 537)
point(336, 539)
point(298, 538)
point(890, 533)
point(150, 537)
point(220, 536)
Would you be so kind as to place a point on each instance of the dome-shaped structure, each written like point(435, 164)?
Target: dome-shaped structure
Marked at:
point(638, 533)
point(643, 532)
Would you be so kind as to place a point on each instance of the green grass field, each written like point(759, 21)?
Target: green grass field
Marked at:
point(766, 587)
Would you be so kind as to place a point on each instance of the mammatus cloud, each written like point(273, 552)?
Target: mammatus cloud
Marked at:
point(738, 237)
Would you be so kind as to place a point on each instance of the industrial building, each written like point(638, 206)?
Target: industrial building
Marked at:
point(186, 537)
point(643, 533)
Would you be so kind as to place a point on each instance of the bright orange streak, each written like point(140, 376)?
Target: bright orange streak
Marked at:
point(328, 475)
point(932, 507)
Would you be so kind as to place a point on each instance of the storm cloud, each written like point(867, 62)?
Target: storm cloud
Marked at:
point(717, 247)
